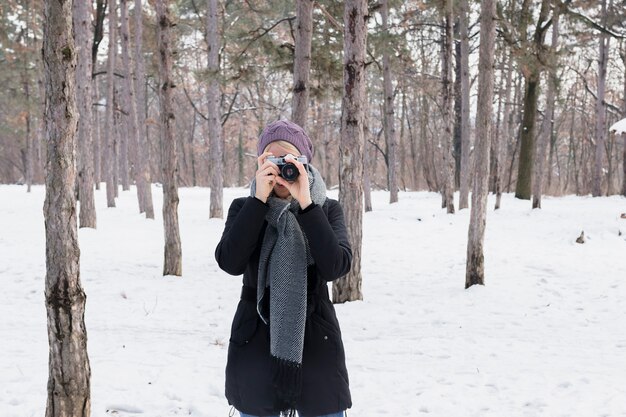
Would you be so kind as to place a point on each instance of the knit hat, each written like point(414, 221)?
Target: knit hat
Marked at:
point(289, 132)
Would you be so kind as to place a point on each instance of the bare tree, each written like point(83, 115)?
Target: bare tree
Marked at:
point(173, 251)
point(348, 288)
point(302, 61)
point(388, 107)
point(130, 102)
point(83, 39)
point(475, 270)
point(600, 135)
point(109, 145)
point(530, 54)
point(69, 371)
point(143, 169)
point(448, 109)
point(465, 103)
point(215, 125)
point(547, 126)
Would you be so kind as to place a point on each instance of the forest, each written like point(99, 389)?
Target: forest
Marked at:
point(560, 63)
point(424, 115)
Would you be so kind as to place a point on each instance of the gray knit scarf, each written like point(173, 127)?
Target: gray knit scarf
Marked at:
point(283, 263)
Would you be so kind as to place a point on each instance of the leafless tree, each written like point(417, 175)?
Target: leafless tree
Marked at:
point(475, 271)
point(302, 61)
point(348, 288)
point(215, 124)
point(69, 371)
point(109, 141)
point(173, 250)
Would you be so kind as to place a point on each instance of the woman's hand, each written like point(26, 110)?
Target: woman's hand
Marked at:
point(266, 177)
point(299, 189)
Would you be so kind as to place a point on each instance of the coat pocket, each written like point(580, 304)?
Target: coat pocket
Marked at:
point(244, 325)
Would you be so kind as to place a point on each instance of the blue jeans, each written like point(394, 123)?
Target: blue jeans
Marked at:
point(339, 414)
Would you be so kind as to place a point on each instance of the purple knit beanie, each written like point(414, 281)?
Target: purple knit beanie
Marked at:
point(289, 132)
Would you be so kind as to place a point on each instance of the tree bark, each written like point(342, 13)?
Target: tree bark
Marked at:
point(391, 139)
point(531, 69)
point(302, 61)
point(547, 126)
point(83, 40)
point(215, 125)
point(69, 371)
point(348, 288)
point(475, 271)
point(448, 110)
point(173, 251)
point(129, 100)
point(143, 147)
point(465, 174)
point(109, 141)
point(600, 107)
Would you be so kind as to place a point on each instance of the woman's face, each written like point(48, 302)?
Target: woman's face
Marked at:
point(278, 150)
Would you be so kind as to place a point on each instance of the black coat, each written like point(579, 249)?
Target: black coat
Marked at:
point(324, 375)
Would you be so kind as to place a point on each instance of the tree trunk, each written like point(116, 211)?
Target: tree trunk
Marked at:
point(624, 116)
point(97, 137)
point(348, 288)
point(109, 141)
point(600, 106)
point(302, 61)
point(502, 140)
point(367, 159)
point(391, 139)
point(465, 174)
point(448, 110)
point(69, 371)
point(129, 101)
point(83, 40)
point(475, 271)
point(144, 188)
point(173, 251)
point(215, 125)
point(532, 66)
point(545, 134)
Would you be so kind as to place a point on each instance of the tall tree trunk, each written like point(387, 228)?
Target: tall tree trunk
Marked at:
point(465, 174)
point(475, 271)
point(545, 134)
point(97, 137)
point(348, 288)
point(69, 371)
point(391, 139)
point(531, 69)
point(624, 116)
point(367, 157)
point(600, 106)
point(173, 251)
point(128, 98)
point(448, 110)
point(83, 40)
point(215, 125)
point(143, 147)
point(302, 61)
point(502, 140)
point(109, 141)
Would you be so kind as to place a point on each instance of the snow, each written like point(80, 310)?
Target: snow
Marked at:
point(618, 127)
point(544, 337)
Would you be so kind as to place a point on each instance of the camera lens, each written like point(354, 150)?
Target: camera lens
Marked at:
point(289, 172)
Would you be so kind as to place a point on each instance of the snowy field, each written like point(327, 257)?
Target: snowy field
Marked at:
point(546, 336)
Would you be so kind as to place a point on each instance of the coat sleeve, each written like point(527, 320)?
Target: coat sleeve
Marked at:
point(328, 240)
point(246, 217)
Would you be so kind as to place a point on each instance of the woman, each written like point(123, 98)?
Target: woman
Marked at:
point(288, 240)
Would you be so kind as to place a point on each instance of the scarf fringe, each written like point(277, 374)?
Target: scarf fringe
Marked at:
point(287, 380)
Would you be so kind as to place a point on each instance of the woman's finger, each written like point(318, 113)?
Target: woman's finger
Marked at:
point(261, 159)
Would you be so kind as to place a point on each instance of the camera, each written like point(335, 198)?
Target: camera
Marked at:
point(287, 169)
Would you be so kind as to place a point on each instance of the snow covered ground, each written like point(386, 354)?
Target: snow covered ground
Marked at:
point(546, 336)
